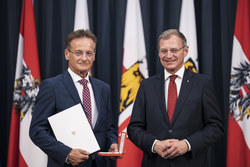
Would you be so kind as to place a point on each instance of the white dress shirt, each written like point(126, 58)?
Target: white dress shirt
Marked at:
point(79, 88)
point(178, 82)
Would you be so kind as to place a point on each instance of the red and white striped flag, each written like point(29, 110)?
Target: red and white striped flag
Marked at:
point(238, 145)
point(22, 152)
point(188, 28)
point(134, 70)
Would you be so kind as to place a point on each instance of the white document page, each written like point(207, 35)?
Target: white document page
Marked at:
point(72, 128)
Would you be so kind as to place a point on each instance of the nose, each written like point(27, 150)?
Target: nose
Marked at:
point(83, 56)
point(169, 54)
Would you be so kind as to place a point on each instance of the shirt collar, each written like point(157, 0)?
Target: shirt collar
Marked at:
point(76, 77)
point(179, 73)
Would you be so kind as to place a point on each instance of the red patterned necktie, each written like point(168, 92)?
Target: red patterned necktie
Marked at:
point(86, 100)
point(172, 97)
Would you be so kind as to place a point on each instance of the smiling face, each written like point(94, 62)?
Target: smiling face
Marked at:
point(172, 53)
point(80, 63)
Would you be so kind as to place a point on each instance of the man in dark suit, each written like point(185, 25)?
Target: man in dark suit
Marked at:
point(66, 90)
point(176, 116)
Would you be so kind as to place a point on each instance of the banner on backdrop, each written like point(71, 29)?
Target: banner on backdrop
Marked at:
point(188, 28)
point(238, 145)
point(134, 70)
point(22, 151)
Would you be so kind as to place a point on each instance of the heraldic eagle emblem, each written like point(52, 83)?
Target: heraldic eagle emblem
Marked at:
point(239, 98)
point(25, 92)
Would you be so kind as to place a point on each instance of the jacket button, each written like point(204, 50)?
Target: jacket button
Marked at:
point(170, 130)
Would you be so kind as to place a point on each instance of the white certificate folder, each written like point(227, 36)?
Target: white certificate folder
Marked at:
point(72, 128)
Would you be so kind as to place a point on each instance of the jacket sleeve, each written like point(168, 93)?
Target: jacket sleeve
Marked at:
point(137, 132)
point(40, 131)
point(112, 122)
point(213, 128)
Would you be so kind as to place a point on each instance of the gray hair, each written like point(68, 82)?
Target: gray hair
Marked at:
point(168, 33)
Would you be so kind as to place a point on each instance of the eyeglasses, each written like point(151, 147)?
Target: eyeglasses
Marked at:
point(80, 53)
point(165, 51)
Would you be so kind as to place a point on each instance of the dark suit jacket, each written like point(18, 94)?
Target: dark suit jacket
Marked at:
point(196, 118)
point(57, 94)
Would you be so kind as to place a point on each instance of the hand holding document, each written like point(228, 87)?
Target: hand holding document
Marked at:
point(121, 148)
point(72, 128)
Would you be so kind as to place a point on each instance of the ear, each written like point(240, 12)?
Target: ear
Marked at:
point(66, 54)
point(186, 50)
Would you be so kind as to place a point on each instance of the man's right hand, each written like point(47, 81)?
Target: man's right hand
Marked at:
point(161, 146)
point(77, 156)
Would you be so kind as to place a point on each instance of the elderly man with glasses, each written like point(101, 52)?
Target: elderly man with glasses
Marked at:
point(175, 117)
point(72, 87)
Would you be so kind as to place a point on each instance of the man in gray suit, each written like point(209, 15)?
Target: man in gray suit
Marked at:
point(176, 116)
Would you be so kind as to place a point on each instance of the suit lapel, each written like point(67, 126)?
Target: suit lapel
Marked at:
point(185, 90)
point(160, 91)
point(70, 86)
point(98, 98)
